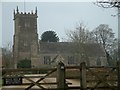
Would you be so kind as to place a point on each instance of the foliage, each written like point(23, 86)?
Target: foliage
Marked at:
point(49, 36)
point(25, 63)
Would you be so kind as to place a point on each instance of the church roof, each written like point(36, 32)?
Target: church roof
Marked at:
point(68, 47)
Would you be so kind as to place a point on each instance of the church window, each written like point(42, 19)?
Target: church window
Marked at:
point(47, 60)
point(71, 60)
point(98, 62)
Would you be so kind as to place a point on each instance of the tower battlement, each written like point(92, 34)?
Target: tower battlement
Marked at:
point(24, 14)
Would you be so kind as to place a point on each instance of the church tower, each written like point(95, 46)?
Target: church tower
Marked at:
point(25, 36)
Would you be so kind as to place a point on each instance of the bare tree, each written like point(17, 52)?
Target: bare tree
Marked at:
point(7, 56)
point(112, 4)
point(79, 37)
point(114, 50)
point(108, 3)
point(80, 34)
point(105, 36)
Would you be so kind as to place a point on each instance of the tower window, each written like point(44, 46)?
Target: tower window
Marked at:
point(47, 60)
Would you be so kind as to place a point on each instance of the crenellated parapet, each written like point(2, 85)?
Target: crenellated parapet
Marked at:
point(17, 13)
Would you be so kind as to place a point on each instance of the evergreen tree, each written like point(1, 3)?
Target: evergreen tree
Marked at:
point(49, 36)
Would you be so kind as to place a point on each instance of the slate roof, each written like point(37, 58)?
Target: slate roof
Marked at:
point(67, 47)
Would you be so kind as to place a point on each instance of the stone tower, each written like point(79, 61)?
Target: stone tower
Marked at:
point(25, 36)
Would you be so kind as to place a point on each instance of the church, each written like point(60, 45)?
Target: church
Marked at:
point(27, 46)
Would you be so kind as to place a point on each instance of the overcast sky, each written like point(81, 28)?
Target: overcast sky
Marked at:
point(57, 16)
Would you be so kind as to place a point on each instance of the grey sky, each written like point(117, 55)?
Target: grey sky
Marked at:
point(58, 16)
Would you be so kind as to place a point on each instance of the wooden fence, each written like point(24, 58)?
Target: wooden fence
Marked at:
point(90, 78)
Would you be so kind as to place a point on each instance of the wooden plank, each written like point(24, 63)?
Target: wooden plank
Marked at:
point(105, 67)
point(23, 76)
point(27, 69)
point(99, 80)
point(111, 87)
point(71, 87)
point(41, 79)
point(51, 83)
point(72, 67)
point(72, 77)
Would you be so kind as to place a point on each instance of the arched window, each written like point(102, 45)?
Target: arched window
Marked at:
point(47, 60)
point(98, 62)
point(71, 60)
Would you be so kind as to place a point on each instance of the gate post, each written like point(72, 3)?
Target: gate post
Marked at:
point(61, 76)
point(118, 74)
point(83, 84)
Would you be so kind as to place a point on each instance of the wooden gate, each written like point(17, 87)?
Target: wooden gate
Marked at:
point(90, 78)
point(16, 76)
point(97, 78)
